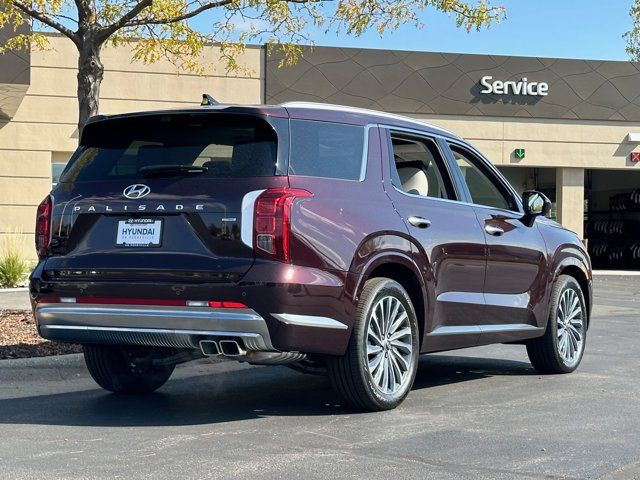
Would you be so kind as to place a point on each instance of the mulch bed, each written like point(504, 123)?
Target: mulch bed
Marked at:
point(19, 338)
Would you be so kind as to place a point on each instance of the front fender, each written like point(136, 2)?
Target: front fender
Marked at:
point(573, 258)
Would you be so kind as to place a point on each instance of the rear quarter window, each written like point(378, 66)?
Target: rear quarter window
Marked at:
point(329, 150)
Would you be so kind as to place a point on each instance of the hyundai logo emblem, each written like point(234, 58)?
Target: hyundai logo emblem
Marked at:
point(136, 191)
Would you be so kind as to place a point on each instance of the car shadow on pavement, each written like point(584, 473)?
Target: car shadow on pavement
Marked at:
point(229, 396)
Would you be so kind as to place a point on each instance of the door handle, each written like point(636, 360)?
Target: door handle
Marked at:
point(493, 230)
point(419, 222)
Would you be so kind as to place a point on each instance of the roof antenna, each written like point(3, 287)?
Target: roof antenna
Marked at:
point(208, 100)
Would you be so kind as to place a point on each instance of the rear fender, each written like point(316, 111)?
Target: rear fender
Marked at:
point(389, 249)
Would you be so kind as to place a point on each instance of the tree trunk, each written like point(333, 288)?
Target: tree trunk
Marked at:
point(90, 72)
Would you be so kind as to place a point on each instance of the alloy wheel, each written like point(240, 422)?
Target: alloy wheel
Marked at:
point(389, 345)
point(570, 321)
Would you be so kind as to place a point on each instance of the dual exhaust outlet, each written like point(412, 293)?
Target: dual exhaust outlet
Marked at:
point(234, 350)
point(228, 348)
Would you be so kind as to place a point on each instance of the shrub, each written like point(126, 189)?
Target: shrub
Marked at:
point(13, 268)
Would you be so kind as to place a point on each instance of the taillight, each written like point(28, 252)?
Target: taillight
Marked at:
point(43, 226)
point(272, 221)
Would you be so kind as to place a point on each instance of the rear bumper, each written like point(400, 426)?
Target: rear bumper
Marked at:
point(151, 325)
point(290, 309)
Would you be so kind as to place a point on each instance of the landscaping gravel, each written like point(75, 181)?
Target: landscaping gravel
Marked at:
point(19, 338)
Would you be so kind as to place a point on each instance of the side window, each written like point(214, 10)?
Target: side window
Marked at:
point(484, 189)
point(329, 150)
point(418, 168)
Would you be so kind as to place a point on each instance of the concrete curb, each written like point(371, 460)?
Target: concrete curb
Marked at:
point(13, 290)
point(616, 273)
point(52, 368)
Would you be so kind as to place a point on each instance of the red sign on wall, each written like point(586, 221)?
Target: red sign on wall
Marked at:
point(635, 157)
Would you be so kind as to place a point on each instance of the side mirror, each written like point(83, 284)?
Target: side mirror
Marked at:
point(535, 204)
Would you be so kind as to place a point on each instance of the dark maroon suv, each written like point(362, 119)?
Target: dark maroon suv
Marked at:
point(327, 238)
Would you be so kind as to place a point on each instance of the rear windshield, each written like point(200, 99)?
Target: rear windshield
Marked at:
point(228, 146)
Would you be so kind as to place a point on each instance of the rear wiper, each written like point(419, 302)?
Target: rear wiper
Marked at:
point(158, 170)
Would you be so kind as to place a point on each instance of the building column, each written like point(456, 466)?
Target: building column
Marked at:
point(570, 198)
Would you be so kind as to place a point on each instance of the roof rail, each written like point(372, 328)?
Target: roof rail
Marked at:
point(365, 111)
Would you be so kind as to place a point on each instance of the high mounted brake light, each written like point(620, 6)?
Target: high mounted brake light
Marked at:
point(272, 221)
point(43, 226)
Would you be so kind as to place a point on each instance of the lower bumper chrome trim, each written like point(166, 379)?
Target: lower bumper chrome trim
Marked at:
point(151, 326)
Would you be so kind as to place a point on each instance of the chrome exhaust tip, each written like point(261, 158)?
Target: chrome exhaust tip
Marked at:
point(209, 348)
point(231, 348)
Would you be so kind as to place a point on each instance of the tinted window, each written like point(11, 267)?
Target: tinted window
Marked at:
point(331, 150)
point(484, 189)
point(418, 168)
point(227, 145)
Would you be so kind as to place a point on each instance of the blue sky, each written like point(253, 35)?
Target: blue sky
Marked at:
point(590, 29)
point(548, 28)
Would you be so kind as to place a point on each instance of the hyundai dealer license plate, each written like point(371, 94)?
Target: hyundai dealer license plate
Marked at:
point(139, 232)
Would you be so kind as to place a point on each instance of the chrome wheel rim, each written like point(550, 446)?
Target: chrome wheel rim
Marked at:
point(389, 345)
point(570, 321)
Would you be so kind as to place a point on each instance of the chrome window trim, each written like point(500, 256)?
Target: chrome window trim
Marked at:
point(457, 202)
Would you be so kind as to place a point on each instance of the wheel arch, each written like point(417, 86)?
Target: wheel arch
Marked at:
point(575, 269)
point(403, 270)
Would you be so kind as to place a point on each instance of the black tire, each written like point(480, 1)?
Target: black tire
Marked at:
point(349, 374)
point(544, 352)
point(112, 368)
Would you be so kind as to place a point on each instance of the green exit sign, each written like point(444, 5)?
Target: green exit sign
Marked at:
point(519, 153)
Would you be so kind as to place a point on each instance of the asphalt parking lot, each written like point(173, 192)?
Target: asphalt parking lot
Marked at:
point(477, 413)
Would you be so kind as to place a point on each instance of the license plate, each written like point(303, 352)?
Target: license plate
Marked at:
point(139, 232)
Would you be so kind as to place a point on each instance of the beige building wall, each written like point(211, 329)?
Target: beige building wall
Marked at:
point(44, 128)
point(548, 143)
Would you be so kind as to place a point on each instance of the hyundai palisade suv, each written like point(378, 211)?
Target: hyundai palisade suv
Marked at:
point(327, 238)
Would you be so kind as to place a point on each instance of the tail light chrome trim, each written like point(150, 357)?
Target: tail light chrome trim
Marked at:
point(272, 222)
point(246, 223)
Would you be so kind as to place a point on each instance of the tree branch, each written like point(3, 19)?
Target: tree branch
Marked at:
point(109, 30)
point(178, 18)
point(47, 20)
